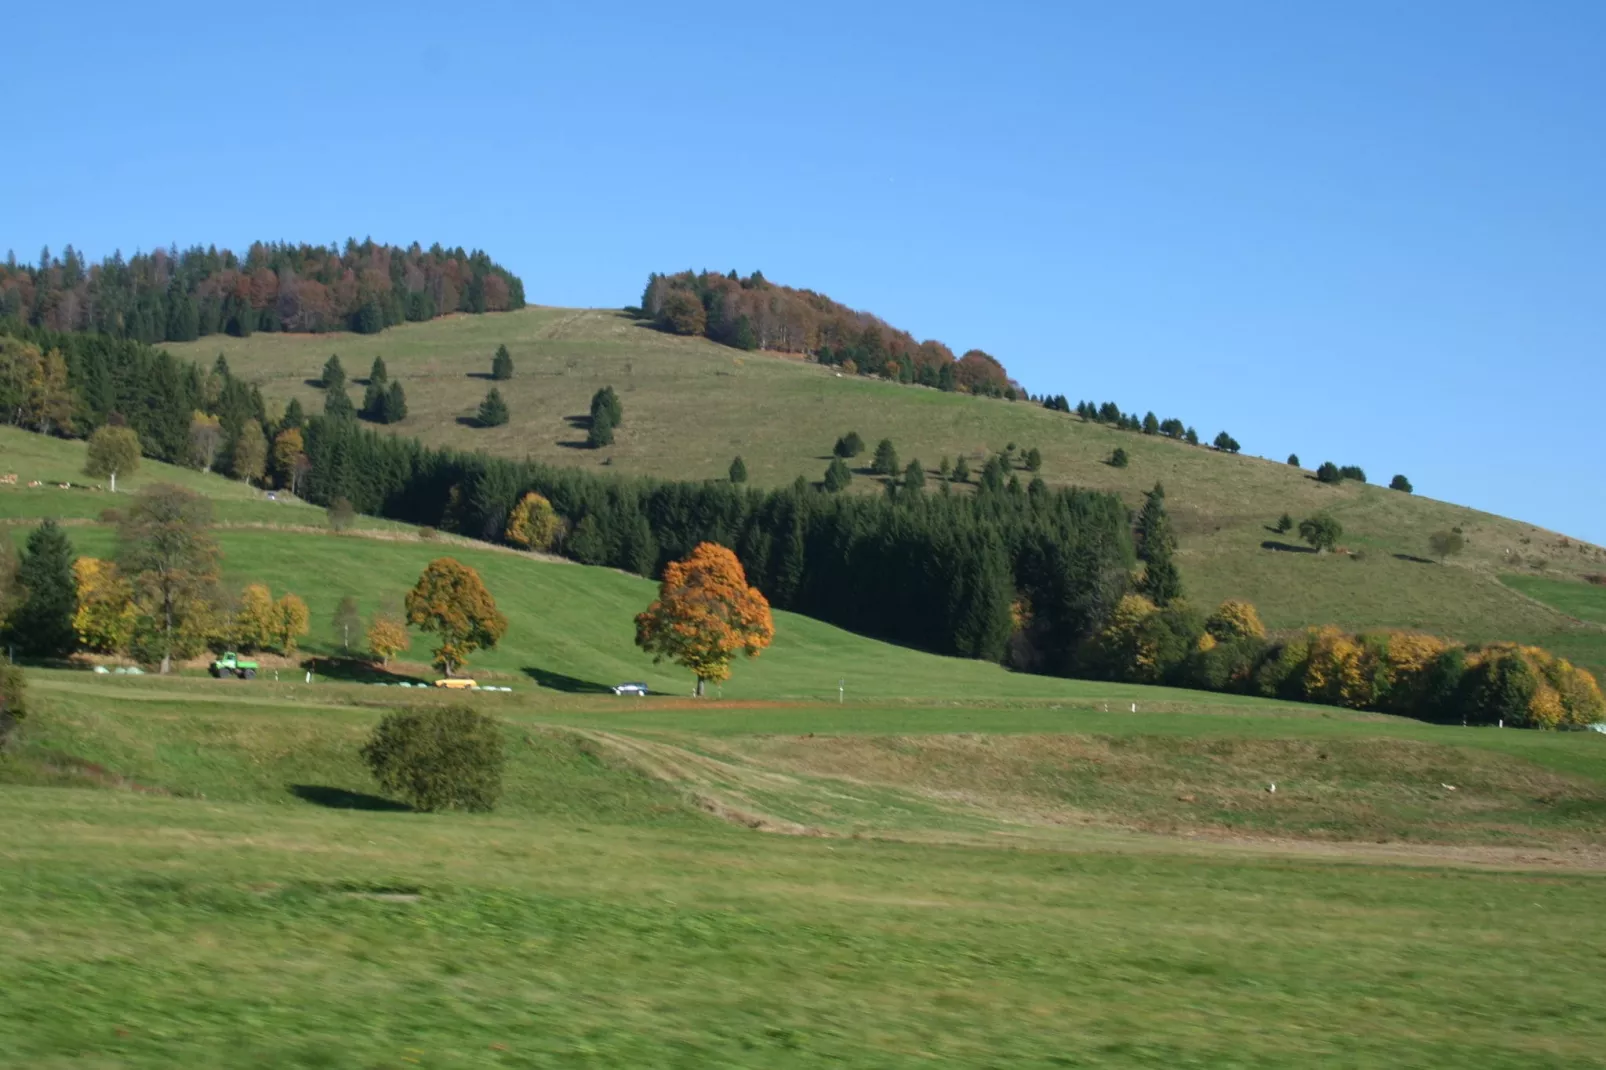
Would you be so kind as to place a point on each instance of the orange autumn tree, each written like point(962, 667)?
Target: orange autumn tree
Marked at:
point(705, 615)
point(451, 601)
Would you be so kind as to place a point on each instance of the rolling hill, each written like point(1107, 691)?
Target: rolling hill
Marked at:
point(691, 405)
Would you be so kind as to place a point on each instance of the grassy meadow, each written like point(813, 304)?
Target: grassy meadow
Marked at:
point(955, 866)
point(199, 874)
point(690, 406)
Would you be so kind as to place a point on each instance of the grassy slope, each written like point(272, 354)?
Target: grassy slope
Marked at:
point(597, 919)
point(691, 405)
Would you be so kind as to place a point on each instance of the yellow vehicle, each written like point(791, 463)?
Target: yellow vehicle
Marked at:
point(456, 683)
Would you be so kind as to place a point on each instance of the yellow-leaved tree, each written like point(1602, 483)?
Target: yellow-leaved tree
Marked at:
point(105, 616)
point(254, 619)
point(290, 622)
point(533, 524)
point(451, 602)
point(705, 615)
point(1235, 619)
point(387, 637)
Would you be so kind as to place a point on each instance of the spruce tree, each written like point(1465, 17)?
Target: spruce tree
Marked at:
point(1034, 460)
point(600, 433)
point(961, 471)
point(375, 393)
point(1162, 583)
point(849, 445)
point(914, 477)
point(42, 625)
point(337, 405)
point(837, 476)
point(293, 416)
point(395, 408)
point(605, 401)
point(738, 471)
point(885, 462)
point(493, 410)
point(501, 364)
point(334, 376)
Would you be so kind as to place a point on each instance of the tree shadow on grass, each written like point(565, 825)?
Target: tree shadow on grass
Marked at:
point(469, 421)
point(1414, 559)
point(479, 375)
point(581, 422)
point(557, 681)
point(358, 671)
point(1287, 548)
point(341, 799)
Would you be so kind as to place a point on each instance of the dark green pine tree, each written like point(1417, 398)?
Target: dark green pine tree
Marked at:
point(790, 569)
point(337, 404)
point(493, 410)
point(914, 477)
point(600, 433)
point(395, 409)
point(992, 474)
point(837, 476)
point(376, 392)
point(1156, 545)
point(502, 364)
point(334, 376)
point(293, 415)
point(607, 401)
point(42, 624)
point(885, 462)
point(961, 471)
point(738, 472)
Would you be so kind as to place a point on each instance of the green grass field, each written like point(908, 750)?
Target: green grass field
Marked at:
point(691, 406)
point(956, 866)
point(981, 887)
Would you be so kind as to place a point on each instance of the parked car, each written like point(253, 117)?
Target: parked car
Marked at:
point(630, 689)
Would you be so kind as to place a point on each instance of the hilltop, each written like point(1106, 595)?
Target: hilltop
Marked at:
point(692, 405)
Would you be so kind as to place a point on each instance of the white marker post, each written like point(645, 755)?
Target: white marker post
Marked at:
point(841, 691)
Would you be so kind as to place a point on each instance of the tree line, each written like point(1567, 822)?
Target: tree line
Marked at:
point(179, 296)
point(754, 313)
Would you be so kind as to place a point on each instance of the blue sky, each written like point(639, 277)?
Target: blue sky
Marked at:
point(1368, 232)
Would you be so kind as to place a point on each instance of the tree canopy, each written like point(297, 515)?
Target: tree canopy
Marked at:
point(705, 615)
point(450, 602)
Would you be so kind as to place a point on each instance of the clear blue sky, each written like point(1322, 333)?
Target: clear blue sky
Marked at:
point(1365, 232)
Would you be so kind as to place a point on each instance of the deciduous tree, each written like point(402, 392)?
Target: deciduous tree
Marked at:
point(165, 548)
point(113, 451)
point(105, 615)
point(387, 637)
point(450, 602)
point(288, 450)
point(533, 523)
point(290, 622)
point(705, 615)
point(347, 621)
point(255, 620)
point(1400, 483)
point(206, 438)
point(1446, 544)
point(1321, 531)
point(250, 453)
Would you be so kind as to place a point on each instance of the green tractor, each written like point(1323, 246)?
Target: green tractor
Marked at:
point(231, 664)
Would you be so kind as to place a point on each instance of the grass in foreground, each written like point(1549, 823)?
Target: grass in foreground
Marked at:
point(256, 905)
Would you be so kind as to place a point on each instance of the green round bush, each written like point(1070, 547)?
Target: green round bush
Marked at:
point(446, 758)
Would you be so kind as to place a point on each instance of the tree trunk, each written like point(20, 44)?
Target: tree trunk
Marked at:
point(701, 690)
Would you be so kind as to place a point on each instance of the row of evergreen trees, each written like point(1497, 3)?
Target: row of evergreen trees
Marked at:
point(1110, 414)
point(949, 574)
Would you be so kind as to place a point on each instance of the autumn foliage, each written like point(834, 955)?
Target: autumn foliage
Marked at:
point(387, 637)
point(533, 524)
point(705, 615)
point(450, 602)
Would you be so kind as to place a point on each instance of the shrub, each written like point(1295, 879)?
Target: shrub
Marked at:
point(1285, 524)
point(447, 758)
point(13, 700)
point(1400, 483)
point(341, 515)
point(849, 445)
point(1293, 460)
point(1446, 544)
point(1118, 459)
point(1321, 531)
point(738, 471)
point(1353, 471)
point(1034, 460)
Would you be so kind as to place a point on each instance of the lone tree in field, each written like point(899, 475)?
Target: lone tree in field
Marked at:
point(450, 602)
point(165, 548)
point(1321, 531)
point(1446, 544)
point(1401, 483)
point(341, 515)
point(849, 445)
point(885, 462)
point(113, 451)
point(738, 472)
point(1118, 458)
point(502, 364)
point(449, 758)
point(493, 410)
point(42, 624)
point(1285, 524)
point(1293, 460)
point(606, 401)
point(705, 615)
point(334, 376)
